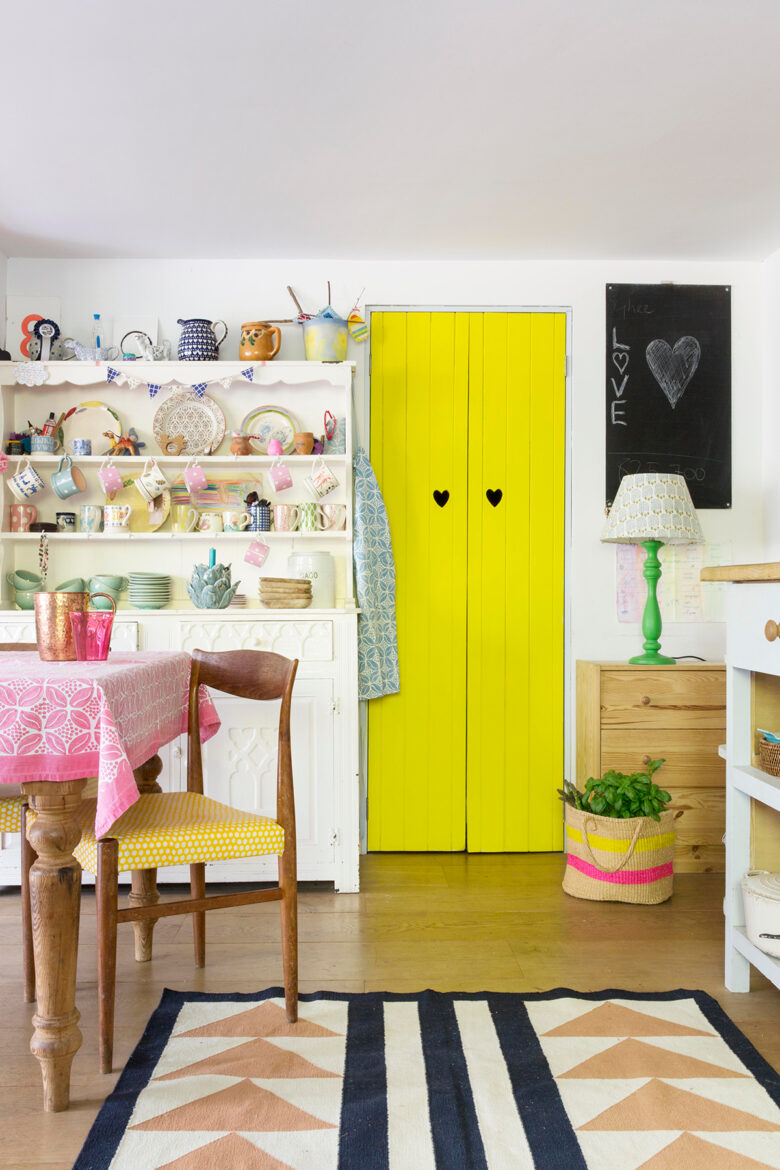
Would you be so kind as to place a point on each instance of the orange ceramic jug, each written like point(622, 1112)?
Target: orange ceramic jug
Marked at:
point(260, 341)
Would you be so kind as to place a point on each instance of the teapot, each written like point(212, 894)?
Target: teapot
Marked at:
point(198, 339)
point(260, 341)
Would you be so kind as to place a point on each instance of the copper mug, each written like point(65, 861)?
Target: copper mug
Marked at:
point(53, 630)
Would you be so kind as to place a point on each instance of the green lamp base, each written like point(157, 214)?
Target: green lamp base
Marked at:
point(651, 619)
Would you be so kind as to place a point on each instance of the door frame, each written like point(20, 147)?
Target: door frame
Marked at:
point(363, 427)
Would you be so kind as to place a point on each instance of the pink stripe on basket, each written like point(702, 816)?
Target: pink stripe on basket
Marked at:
point(636, 877)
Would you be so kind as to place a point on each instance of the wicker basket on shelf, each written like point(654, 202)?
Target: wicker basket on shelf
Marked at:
point(769, 756)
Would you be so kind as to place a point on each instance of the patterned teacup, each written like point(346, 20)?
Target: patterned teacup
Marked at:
point(25, 482)
point(307, 521)
point(286, 517)
point(116, 517)
point(185, 518)
point(90, 517)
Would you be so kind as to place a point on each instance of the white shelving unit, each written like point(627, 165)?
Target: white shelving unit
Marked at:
point(240, 763)
point(750, 605)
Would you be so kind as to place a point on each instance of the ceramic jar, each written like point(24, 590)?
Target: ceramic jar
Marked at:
point(198, 340)
point(260, 342)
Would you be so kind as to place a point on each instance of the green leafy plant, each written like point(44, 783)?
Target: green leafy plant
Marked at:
point(617, 795)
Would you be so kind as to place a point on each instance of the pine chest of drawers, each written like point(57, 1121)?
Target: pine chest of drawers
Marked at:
point(628, 715)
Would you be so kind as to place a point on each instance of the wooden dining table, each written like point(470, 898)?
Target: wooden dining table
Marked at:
point(62, 723)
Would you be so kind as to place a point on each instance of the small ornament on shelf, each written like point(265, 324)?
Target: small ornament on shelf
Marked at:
point(240, 444)
point(122, 444)
point(171, 444)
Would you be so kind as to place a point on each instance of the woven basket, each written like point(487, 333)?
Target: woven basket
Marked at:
point(769, 755)
point(613, 860)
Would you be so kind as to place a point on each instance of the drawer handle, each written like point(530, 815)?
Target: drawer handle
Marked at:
point(645, 760)
point(771, 631)
point(645, 700)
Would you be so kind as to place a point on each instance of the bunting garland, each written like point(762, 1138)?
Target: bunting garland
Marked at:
point(121, 378)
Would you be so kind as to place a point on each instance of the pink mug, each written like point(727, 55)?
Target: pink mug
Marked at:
point(22, 516)
point(110, 477)
point(280, 477)
point(256, 553)
point(285, 517)
point(195, 477)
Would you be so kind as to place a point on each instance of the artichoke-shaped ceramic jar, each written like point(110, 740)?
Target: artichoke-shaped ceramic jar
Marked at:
point(209, 586)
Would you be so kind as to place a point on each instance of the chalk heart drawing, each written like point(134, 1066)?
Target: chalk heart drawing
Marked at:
point(673, 368)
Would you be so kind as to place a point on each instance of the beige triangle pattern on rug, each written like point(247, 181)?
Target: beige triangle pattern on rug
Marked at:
point(231, 1152)
point(267, 1019)
point(631, 1058)
point(612, 1019)
point(257, 1058)
point(688, 1152)
point(657, 1105)
point(243, 1106)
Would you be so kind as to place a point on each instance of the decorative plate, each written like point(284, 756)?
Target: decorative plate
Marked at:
point(270, 422)
point(199, 420)
point(142, 518)
point(89, 420)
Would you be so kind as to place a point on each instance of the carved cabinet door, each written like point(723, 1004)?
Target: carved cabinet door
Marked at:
point(239, 767)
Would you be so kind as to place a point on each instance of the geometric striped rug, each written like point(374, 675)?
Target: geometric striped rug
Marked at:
point(555, 1081)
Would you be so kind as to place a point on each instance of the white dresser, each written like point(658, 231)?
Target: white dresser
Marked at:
point(752, 795)
point(240, 762)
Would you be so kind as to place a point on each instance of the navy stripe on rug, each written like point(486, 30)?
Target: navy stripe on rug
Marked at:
point(363, 1136)
point(454, 1127)
point(551, 1139)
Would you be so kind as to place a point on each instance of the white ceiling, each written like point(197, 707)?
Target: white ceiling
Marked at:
point(500, 129)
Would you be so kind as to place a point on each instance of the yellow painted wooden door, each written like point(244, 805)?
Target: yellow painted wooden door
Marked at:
point(470, 752)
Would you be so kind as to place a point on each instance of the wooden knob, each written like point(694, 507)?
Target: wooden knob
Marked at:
point(645, 700)
point(645, 760)
point(771, 630)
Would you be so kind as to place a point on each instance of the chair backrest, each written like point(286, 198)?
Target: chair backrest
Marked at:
point(18, 646)
point(248, 674)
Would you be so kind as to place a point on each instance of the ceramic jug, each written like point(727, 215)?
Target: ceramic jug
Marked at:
point(198, 340)
point(260, 341)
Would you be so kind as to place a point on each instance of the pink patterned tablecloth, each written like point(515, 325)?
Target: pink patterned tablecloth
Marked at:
point(67, 720)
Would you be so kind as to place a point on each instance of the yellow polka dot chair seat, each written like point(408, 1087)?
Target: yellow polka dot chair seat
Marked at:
point(11, 814)
point(180, 828)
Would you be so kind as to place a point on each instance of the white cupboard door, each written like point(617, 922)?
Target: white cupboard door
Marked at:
point(239, 764)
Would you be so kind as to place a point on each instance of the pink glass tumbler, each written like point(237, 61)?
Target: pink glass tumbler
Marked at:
point(92, 632)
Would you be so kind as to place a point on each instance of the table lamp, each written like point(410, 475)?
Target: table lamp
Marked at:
point(652, 509)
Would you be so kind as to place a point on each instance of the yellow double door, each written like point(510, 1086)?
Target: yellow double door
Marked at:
point(468, 445)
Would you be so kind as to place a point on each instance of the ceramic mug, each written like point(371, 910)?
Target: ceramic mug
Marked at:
point(303, 442)
point(90, 517)
point(43, 444)
point(279, 475)
point(210, 522)
point(233, 521)
point(307, 517)
point(195, 477)
point(322, 480)
point(151, 482)
point(67, 479)
point(116, 517)
point(82, 447)
point(22, 516)
point(25, 482)
point(110, 477)
point(257, 553)
point(285, 517)
point(260, 518)
point(66, 521)
point(332, 517)
point(185, 518)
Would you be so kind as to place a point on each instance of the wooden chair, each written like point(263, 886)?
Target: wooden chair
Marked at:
point(13, 819)
point(164, 828)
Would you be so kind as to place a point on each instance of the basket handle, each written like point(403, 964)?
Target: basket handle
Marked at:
point(626, 856)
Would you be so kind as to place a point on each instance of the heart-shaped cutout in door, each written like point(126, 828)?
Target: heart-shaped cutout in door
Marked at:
point(441, 497)
point(494, 496)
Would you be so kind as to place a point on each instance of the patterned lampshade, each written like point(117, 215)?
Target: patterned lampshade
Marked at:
point(653, 506)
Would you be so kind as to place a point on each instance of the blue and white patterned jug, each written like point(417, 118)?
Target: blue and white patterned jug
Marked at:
point(198, 340)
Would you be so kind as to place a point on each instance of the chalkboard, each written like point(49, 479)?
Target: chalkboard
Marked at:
point(669, 386)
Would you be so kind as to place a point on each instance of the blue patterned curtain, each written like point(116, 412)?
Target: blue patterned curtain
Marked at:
point(375, 578)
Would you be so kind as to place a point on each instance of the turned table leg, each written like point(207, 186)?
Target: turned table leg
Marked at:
point(55, 889)
point(143, 888)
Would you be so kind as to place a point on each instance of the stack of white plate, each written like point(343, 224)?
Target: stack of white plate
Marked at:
point(149, 590)
point(238, 599)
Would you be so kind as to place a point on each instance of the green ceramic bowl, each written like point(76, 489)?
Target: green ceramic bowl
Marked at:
point(25, 598)
point(103, 581)
point(22, 579)
point(102, 602)
point(76, 585)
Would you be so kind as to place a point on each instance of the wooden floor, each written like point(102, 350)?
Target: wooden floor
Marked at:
point(446, 921)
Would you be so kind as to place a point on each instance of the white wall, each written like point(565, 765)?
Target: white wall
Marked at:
point(248, 290)
point(771, 409)
point(3, 280)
